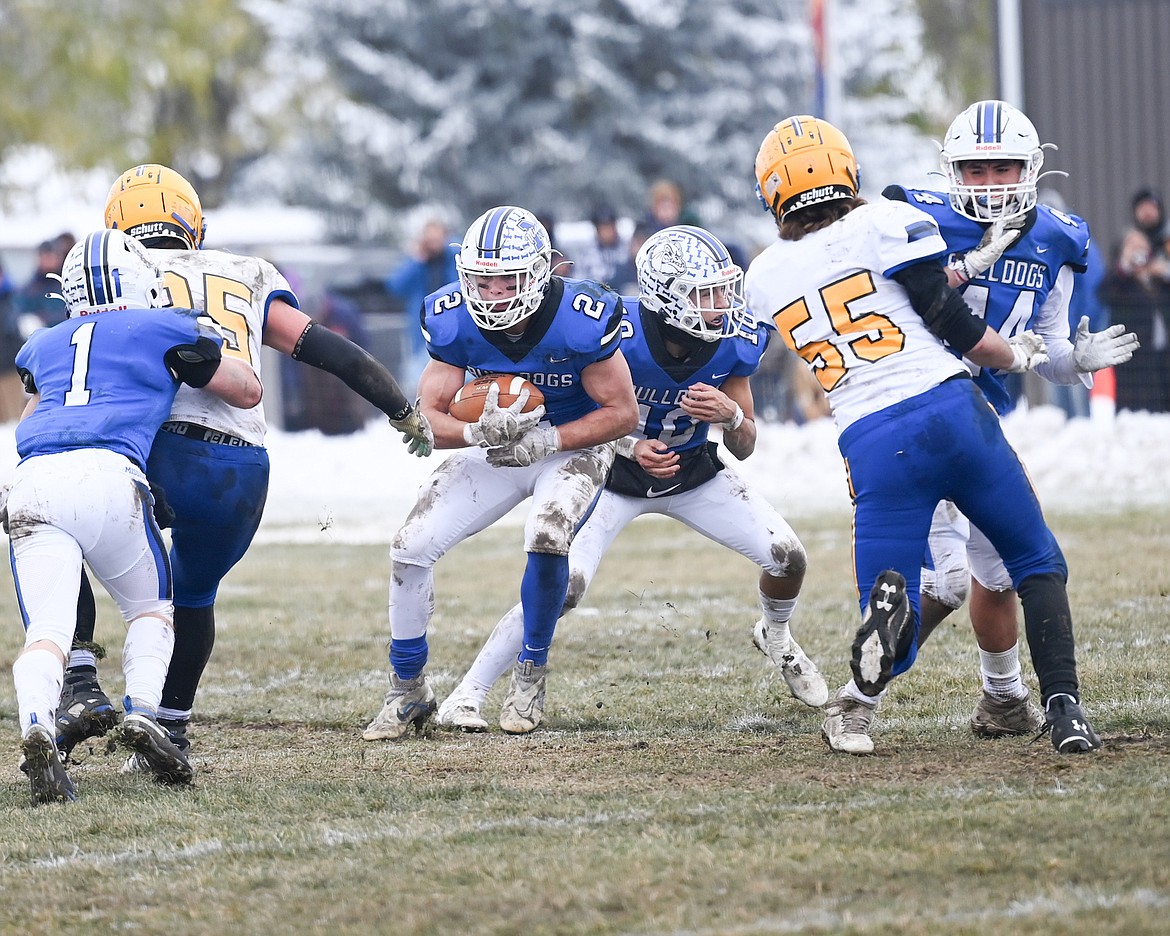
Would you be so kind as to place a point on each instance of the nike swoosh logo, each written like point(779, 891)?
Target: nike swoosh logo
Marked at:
point(556, 360)
point(720, 376)
point(650, 492)
point(1041, 250)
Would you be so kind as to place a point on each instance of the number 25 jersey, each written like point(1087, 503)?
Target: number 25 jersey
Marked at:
point(235, 290)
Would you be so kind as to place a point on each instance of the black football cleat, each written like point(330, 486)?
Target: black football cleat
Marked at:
point(1067, 726)
point(884, 635)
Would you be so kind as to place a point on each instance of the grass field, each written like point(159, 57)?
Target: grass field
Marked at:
point(674, 788)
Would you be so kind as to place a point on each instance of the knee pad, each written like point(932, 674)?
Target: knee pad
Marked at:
point(948, 586)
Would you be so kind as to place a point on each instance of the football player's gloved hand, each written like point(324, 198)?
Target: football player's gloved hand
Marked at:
point(537, 443)
point(164, 514)
point(996, 239)
point(1028, 350)
point(416, 431)
point(496, 426)
point(1093, 351)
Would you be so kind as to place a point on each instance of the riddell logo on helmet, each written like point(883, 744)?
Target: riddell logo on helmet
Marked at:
point(980, 147)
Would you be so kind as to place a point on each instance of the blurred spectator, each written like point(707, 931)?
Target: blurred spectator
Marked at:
point(1137, 291)
point(665, 206)
point(430, 266)
point(625, 277)
point(12, 395)
point(37, 303)
point(316, 399)
point(599, 260)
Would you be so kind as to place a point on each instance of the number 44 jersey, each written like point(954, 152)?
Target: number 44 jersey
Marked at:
point(833, 302)
point(235, 291)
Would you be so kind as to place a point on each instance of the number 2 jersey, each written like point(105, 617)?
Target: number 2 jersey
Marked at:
point(1028, 288)
point(833, 302)
point(236, 292)
point(578, 323)
point(103, 381)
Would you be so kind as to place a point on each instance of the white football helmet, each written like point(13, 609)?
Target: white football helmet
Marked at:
point(684, 272)
point(504, 247)
point(992, 130)
point(108, 270)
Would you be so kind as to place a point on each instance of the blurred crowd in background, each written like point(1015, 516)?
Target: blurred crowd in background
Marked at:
point(1126, 283)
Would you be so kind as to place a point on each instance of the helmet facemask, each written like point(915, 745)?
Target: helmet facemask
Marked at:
point(687, 277)
point(505, 247)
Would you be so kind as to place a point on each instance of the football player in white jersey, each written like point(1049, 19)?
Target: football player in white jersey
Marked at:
point(102, 382)
point(860, 293)
point(209, 459)
point(1014, 260)
point(692, 346)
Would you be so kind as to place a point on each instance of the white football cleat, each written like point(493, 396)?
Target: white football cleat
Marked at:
point(847, 726)
point(523, 706)
point(462, 713)
point(409, 702)
point(805, 681)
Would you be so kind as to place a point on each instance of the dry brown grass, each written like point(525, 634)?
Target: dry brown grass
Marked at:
point(674, 789)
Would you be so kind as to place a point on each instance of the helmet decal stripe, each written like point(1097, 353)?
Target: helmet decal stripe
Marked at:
point(990, 123)
point(97, 252)
point(718, 251)
point(492, 236)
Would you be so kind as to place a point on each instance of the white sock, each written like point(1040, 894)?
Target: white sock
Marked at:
point(497, 657)
point(145, 657)
point(1001, 674)
point(851, 691)
point(38, 675)
point(777, 613)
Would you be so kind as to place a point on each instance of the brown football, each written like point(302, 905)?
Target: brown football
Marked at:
point(467, 403)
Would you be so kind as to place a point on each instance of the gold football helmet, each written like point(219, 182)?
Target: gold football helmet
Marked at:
point(804, 161)
point(156, 205)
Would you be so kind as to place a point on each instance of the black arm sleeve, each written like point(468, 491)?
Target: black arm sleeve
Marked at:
point(942, 309)
point(195, 364)
point(362, 373)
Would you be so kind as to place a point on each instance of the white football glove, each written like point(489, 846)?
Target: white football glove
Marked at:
point(1093, 351)
point(996, 239)
point(496, 426)
point(537, 443)
point(416, 432)
point(1028, 350)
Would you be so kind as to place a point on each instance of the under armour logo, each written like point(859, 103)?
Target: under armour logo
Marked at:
point(1080, 725)
point(886, 602)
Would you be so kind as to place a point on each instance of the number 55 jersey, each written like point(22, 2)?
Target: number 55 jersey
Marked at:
point(833, 302)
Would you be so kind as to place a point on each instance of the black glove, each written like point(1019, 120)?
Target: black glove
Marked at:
point(164, 516)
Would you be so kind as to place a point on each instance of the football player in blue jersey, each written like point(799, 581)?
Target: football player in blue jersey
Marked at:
point(507, 314)
point(101, 386)
point(209, 460)
point(859, 292)
point(1013, 260)
point(692, 346)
